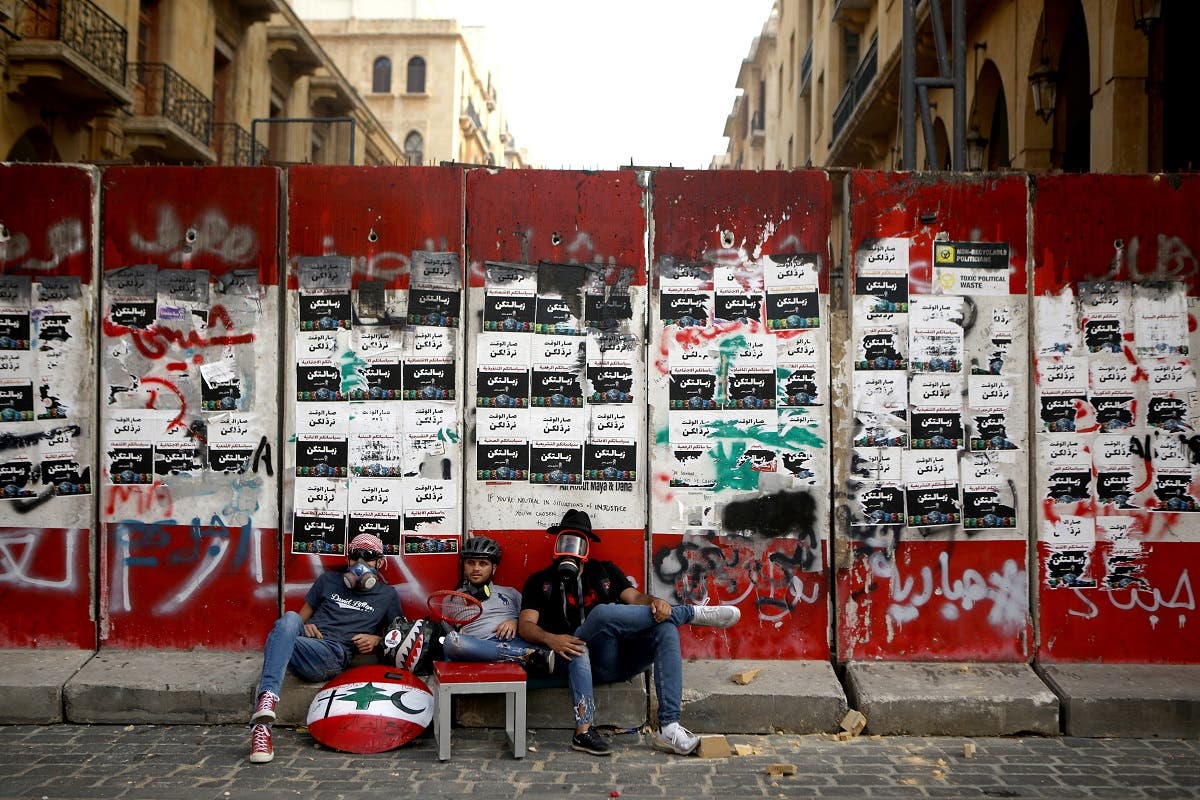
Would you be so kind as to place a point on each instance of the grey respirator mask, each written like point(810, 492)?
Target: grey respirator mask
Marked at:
point(361, 576)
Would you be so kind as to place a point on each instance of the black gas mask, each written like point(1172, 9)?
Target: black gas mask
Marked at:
point(570, 553)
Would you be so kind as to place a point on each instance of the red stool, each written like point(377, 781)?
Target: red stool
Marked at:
point(473, 677)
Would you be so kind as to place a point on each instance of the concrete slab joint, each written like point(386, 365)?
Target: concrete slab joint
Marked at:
point(31, 683)
point(1135, 700)
point(952, 699)
point(784, 696)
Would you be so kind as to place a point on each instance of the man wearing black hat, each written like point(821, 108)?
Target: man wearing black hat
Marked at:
point(587, 612)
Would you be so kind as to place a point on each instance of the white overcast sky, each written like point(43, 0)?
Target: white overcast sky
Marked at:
point(592, 85)
point(595, 84)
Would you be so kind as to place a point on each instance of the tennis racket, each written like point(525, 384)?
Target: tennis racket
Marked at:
point(453, 608)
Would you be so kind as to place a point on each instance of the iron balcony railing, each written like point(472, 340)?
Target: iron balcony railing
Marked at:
point(160, 91)
point(806, 71)
point(81, 26)
point(235, 147)
point(856, 89)
point(477, 122)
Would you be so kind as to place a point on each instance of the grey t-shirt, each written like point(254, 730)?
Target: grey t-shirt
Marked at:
point(504, 603)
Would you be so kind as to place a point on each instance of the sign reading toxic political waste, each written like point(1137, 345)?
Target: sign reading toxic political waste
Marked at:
point(971, 268)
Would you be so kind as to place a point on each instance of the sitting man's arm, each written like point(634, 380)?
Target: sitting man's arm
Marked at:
point(367, 642)
point(507, 628)
point(564, 644)
point(310, 630)
point(659, 607)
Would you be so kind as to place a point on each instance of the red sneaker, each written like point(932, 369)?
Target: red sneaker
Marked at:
point(264, 710)
point(261, 750)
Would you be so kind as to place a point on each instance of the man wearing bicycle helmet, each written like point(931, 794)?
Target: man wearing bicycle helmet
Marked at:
point(343, 614)
point(493, 635)
point(589, 613)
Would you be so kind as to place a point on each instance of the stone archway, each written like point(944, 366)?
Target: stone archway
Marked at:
point(1072, 148)
point(1181, 114)
point(990, 112)
point(35, 144)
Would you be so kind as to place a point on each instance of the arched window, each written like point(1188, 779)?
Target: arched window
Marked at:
point(416, 76)
point(414, 148)
point(381, 75)
point(35, 145)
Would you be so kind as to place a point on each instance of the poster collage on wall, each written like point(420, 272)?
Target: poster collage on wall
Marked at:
point(934, 444)
point(42, 355)
point(744, 350)
point(178, 359)
point(558, 378)
point(1117, 406)
point(376, 408)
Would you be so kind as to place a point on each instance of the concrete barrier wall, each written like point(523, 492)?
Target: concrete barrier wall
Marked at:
point(936, 376)
point(554, 239)
point(48, 254)
point(189, 406)
point(410, 286)
point(1118, 254)
point(741, 459)
point(387, 245)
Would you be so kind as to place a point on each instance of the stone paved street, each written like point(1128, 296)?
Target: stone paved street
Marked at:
point(195, 762)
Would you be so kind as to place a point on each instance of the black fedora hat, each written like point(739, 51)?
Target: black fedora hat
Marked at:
point(574, 520)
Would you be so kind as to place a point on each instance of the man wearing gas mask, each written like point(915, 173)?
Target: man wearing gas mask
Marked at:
point(343, 614)
point(492, 636)
point(592, 617)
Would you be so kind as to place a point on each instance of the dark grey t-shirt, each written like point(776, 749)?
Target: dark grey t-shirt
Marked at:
point(341, 613)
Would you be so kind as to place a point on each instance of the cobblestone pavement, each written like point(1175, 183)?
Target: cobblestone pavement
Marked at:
point(167, 762)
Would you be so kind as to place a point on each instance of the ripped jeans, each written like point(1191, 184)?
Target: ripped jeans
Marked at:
point(460, 647)
point(622, 641)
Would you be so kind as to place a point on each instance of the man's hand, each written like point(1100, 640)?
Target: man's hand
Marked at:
point(506, 629)
point(660, 608)
point(365, 642)
point(311, 631)
point(565, 645)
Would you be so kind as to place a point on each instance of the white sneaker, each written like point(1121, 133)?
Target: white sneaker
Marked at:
point(675, 738)
point(716, 616)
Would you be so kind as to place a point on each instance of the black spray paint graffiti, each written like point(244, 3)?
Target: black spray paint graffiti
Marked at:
point(738, 568)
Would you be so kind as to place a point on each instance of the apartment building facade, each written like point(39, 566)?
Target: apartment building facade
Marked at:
point(422, 75)
point(820, 86)
point(231, 82)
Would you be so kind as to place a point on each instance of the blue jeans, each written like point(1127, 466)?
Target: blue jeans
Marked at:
point(312, 660)
point(622, 641)
point(460, 647)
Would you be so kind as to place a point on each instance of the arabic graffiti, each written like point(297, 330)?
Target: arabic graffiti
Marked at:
point(64, 239)
point(1140, 599)
point(141, 545)
point(208, 233)
point(19, 548)
point(1004, 589)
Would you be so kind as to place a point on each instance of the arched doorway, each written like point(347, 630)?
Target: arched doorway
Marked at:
point(990, 113)
point(35, 145)
point(1181, 114)
point(1073, 110)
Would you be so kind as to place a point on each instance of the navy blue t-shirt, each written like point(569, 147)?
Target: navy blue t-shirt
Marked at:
point(341, 613)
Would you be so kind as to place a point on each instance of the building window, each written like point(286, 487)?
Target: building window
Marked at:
point(414, 148)
point(416, 76)
point(381, 75)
